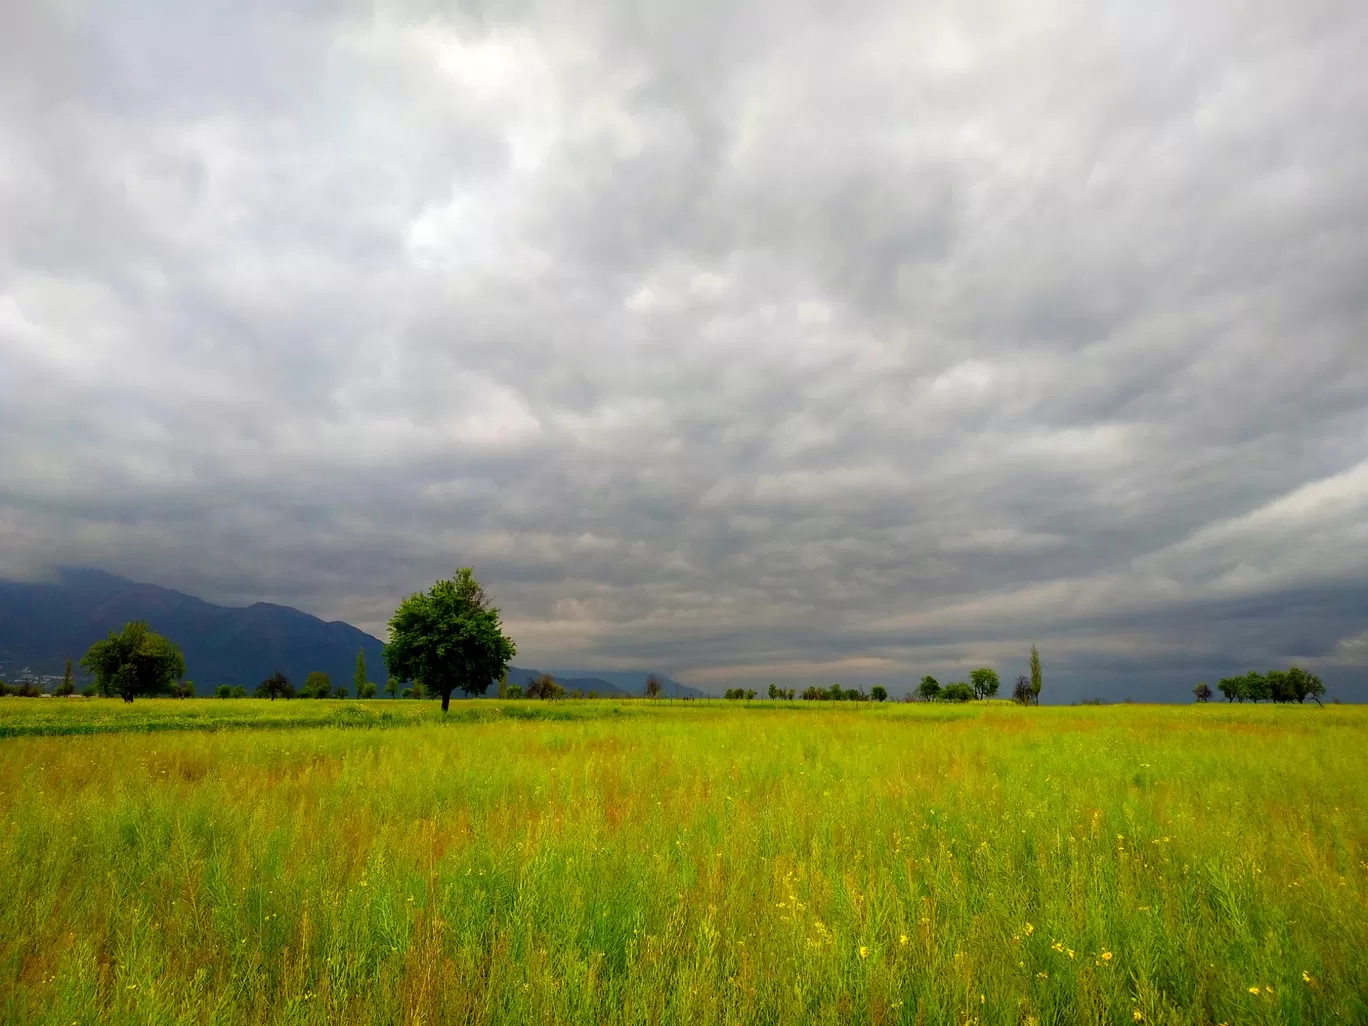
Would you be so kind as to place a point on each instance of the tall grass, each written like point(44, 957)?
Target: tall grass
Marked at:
point(690, 863)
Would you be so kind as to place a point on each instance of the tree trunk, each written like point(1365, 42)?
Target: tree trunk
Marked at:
point(446, 700)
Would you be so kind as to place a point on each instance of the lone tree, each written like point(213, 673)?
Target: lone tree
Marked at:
point(546, 687)
point(653, 686)
point(929, 689)
point(359, 678)
point(985, 682)
point(1202, 692)
point(879, 693)
point(1036, 678)
point(448, 638)
point(1023, 694)
point(135, 661)
point(275, 686)
point(318, 685)
point(68, 685)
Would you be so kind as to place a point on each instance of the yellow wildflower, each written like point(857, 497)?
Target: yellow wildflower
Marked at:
point(1137, 1015)
point(902, 938)
point(864, 952)
point(1028, 929)
point(1254, 990)
point(1106, 956)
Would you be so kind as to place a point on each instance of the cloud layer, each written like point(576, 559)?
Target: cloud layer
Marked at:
point(747, 341)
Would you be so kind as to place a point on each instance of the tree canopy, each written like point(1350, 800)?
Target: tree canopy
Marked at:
point(134, 661)
point(449, 638)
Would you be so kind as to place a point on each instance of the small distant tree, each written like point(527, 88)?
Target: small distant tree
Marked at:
point(513, 691)
point(450, 638)
point(341, 691)
point(275, 686)
point(985, 682)
point(239, 691)
point(1257, 687)
point(223, 691)
point(773, 691)
point(1202, 692)
point(545, 687)
point(1279, 687)
point(359, 677)
point(959, 691)
point(1023, 694)
point(317, 685)
point(1304, 685)
point(1037, 679)
point(929, 689)
point(653, 686)
point(135, 661)
point(182, 689)
point(68, 685)
point(879, 693)
point(1233, 688)
point(367, 690)
point(392, 687)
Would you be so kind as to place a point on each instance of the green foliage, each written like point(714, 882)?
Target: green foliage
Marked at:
point(341, 691)
point(366, 690)
point(134, 661)
point(879, 693)
point(223, 691)
point(449, 638)
point(985, 682)
point(545, 687)
point(929, 689)
point(513, 691)
point(392, 686)
point(238, 691)
point(1037, 678)
point(1202, 692)
point(960, 691)
point(1291, 685)
point(275, 686)
point(68, 685)
point(359, 678)
point(317, 685)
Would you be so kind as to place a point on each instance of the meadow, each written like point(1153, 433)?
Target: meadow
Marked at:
point(202, 861)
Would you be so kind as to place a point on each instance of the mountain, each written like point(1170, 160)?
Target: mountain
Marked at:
point(45, 623)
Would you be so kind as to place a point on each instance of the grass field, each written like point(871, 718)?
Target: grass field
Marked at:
point(696, 863)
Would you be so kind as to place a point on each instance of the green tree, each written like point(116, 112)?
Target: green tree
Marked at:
point(879, 693)
point(341, 691)
point(135, 661)
point(1305, 685)
point(392, 686)
point(957, 692)
point(929, 689)
point(317, 685)
point(1233, 688)
point(545, 686)
point(367, 690)
point(1036, 678)
point(359, 677)
point(513, 691)
point(223, 691)
point(1257, 687)
point(449, 638)
point(985, 681)
point(1202, 692)
point(275, 686)
point(68, 685)
point(239, 691)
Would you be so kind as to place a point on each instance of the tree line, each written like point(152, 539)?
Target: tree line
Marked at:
point(1290, 685)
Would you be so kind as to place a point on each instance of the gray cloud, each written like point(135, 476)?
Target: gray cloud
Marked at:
point(744, 341)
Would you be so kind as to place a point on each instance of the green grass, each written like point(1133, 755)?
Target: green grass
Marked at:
point(656, 863)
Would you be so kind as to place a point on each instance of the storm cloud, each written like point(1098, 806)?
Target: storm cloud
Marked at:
point(751, 342)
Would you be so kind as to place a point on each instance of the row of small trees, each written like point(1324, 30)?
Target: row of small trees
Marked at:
point(1291, 685)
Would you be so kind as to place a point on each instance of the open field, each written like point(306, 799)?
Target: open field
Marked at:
point(643, 862)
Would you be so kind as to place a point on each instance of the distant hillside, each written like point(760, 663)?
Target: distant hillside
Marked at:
point(45, 623)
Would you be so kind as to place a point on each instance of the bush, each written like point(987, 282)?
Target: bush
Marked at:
point(367, 690)
point(960, 691)
point(90, 690)
point(341, 691)
point(223, 691)
point(239, 691)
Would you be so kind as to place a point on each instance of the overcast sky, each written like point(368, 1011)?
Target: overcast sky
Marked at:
point(747, 341)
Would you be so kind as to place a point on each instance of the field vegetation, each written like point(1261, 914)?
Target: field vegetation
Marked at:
point(203, 861)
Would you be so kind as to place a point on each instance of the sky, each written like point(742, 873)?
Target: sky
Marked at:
point(799, 342)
